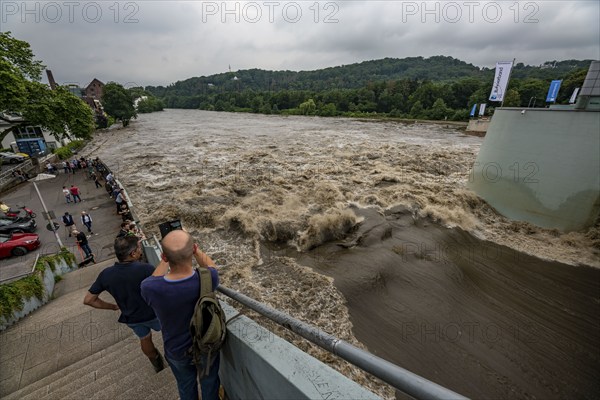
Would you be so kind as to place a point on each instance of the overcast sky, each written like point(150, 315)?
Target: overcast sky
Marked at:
point(161, 42)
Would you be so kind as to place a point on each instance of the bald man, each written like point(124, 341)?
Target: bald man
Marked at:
point(172, 291)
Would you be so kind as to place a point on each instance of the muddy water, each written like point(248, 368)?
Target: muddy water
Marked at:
point(367, 230)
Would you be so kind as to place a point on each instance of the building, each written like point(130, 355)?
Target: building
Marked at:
point(95, 89)
point(33, 140)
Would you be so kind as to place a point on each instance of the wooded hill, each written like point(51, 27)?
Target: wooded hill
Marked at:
point(391, 86)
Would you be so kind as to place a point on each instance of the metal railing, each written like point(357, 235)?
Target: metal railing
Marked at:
point(24, 274)
point(400, 378)
point(7, 175)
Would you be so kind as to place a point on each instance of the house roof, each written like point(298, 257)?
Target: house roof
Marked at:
point(95, 81)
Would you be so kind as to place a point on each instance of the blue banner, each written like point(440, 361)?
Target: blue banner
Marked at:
point(553, 91)
point(472, 114)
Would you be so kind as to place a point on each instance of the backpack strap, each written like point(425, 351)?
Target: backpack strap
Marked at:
point(205, 281)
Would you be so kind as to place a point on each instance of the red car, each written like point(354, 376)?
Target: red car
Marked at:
point(18, 244)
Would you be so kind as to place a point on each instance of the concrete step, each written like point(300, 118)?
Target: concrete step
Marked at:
point(59, 334)
point(148, 385)
point(83, 366)
point(87, 385)
point(138, 385)
point(80, 278)
point(164, 393)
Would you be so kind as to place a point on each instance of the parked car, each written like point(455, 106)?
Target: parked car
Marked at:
point(18, 244)
point(17, 225)
point(11, 158)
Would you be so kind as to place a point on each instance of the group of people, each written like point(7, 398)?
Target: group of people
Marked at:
point(73, 165)
point(80, 237)
point(72, 191)
point(161, 299)
point(73, 195)
point(19, 174)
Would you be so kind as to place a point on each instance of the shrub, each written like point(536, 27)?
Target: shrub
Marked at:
point(63, 153)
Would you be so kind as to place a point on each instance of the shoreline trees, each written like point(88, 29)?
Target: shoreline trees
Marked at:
point(59, 111)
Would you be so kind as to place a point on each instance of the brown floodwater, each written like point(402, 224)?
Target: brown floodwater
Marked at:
point(482, 319)
point(367, 230)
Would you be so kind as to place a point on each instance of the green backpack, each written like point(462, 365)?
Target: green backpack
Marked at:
point(207, 327)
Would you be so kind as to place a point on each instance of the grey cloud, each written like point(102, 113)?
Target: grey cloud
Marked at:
point(171, 42)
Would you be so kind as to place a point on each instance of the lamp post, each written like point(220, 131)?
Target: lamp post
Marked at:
point(50, 222)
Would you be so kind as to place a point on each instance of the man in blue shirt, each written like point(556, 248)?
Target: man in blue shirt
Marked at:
point(173, 295)
point(122, 281)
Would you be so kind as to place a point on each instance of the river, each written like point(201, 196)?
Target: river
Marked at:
point(367, 230)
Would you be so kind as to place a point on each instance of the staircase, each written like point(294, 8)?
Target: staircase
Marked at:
point(66, 350)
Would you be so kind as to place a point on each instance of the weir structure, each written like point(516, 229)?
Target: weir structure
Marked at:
point(541, 165)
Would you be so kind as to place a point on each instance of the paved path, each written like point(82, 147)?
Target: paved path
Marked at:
point(96, 202)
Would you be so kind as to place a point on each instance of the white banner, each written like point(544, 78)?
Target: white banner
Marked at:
point(574, 96)
point(482, 110)
point(500, 80)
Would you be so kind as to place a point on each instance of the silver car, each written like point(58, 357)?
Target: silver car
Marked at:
point(10, 158)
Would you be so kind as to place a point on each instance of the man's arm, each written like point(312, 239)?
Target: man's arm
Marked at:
point(93, 300)
point(162, 268)
point(202, 258)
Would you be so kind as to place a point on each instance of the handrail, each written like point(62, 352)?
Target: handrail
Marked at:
point(8, 173)
point(398, 377)
point(24, 274)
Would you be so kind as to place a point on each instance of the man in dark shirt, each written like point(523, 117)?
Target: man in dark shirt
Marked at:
point(173, 296)
point(82, 241)
point(122, 281)
point(69, 222)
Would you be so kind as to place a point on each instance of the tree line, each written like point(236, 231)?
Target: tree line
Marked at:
point(403, 98)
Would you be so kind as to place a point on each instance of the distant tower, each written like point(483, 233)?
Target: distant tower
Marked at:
point(51, 80)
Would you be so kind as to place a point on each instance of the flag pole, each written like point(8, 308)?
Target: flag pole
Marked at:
point(508, 82)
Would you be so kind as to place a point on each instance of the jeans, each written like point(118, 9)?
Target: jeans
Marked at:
point(86, 249)
point(88, 226)
point(186, 376)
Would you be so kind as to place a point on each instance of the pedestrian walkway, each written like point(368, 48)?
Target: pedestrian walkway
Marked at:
point(95, 201)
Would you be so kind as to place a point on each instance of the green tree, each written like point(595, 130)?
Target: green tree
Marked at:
point(117, 102)
point(59, 111)
point(150, 104)
point(573, 80)
point(308, 107)
point(417, 110)
point(512, 98)
point(439, 110)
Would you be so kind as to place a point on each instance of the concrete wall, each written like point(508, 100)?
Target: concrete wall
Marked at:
point(257, 364)
point(33, 303)
point(541, 166)
point(478, 126)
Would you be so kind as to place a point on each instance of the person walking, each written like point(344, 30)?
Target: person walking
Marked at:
point(82, 242)
point(96, 180)
point(172, 294)
point(75, 193)
point(122, 281)
point(86, 220)
point(67, 194)
point(120, 199)
point(69, 222)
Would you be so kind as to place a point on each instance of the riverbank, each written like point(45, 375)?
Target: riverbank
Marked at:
point(242, 181)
